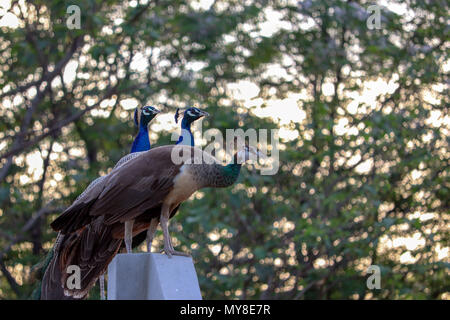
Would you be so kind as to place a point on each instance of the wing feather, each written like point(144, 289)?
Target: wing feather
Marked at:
point(135, 186)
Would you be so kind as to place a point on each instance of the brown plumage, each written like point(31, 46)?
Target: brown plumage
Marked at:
point(122, 194)
point(148, 186)
point(91, 248)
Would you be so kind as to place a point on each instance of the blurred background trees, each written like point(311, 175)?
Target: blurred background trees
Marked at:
point(362, 113)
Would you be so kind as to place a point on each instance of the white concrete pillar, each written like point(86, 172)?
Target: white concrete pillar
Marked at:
point(152, 276)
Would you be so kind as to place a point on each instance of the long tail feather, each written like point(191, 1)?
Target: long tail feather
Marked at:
point(91, 249)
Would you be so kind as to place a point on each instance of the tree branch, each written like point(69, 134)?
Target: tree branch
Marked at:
point(12, 282)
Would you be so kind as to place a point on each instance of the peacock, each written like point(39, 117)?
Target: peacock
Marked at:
point(190, 115)
point(186, 138)
point(142, 118)
point(142, 143)
point(148, 186)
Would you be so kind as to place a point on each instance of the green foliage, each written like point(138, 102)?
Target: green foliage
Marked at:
point(342, 199)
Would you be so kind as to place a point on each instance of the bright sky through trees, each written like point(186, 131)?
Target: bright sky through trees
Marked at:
point(362, 117)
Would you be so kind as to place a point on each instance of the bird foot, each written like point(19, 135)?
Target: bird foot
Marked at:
point(172, 252)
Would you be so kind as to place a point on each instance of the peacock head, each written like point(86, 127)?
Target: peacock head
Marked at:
point(190, 115)
point(144, 115)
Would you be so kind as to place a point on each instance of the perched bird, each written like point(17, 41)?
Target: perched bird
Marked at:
point(148, 186)
point(190, 115)
point(142, 117)
point(186, 138)
point(140, 143)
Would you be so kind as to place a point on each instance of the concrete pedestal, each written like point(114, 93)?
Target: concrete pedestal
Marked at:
point(152, 276)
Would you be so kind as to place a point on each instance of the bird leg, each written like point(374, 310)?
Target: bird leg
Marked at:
point(168, 247)
point(150, 233)
point(102, 287)
point(129, 235)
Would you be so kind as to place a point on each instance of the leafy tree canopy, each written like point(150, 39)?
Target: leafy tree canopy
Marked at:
point(362, 113)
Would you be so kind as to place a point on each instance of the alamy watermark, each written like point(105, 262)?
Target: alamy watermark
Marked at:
point(74, 280)
point(374, 281)
point(258, 143)
point(73, 21)
point(374, 20)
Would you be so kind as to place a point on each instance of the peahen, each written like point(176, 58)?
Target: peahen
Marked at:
point(142, 118)
point(149, 186)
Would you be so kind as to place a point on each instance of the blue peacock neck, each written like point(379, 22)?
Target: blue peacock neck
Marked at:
point(142, 141)
point(186, 138)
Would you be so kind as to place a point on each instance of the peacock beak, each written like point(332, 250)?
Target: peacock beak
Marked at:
point(204, 114)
